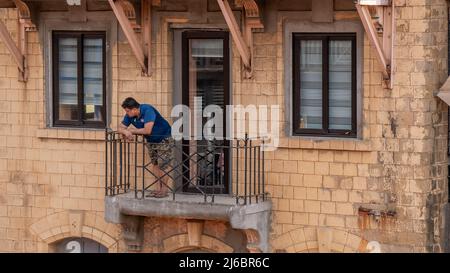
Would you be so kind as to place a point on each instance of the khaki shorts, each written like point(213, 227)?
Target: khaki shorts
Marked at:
point(161, 153)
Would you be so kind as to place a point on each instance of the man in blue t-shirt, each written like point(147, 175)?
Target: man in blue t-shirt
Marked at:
point(148, 121)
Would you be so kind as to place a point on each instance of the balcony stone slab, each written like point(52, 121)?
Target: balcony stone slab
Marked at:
point(129, 211)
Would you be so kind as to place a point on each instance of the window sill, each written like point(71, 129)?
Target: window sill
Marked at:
point(72, 134)
point(326, 143)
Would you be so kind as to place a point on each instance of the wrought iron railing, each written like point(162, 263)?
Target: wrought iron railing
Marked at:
point(230, 168)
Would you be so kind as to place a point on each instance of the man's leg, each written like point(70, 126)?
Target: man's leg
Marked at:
point(164, 164)
point(163, 180)
point(157, 173)
point(161, 157)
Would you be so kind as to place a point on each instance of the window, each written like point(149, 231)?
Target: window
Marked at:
point(79, 79)
point(324, 84)
point(79, 245)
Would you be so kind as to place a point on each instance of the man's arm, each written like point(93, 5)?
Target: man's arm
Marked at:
point(149, 121)
point(122, 129)
point(147, 130)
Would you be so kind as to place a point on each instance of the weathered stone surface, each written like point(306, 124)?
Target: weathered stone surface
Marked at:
point(399, 162)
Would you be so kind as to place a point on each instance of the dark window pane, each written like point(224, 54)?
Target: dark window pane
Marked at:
point(93, 78)
point(310, 84)
point(206, 81)
point(340, 85)
point(68, 86)
point(206, 70)
point(79, 68)
point(324, 84)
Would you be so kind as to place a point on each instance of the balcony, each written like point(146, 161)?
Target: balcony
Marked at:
point(205, 180)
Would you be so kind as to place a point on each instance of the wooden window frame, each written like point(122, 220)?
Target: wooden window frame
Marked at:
point(80, 36)
point(325, 131)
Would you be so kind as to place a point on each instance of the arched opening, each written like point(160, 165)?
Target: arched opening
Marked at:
point(194, 250)
point(78, 245)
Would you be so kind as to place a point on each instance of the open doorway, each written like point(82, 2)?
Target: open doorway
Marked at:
point(205, 76)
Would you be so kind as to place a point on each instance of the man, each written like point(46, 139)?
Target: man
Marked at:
point(157, 131)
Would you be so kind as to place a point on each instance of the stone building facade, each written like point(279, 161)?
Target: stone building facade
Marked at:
point(384, 189)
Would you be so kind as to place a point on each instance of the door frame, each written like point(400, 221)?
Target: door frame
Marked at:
point(186, 35)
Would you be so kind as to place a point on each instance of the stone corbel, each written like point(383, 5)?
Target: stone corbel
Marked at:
point(378, 19)
point(25, 16)
point(133, 232)
point(254, 221)
point(25, 25)
point(130, 13)
point(251, 23)
point(253, 240)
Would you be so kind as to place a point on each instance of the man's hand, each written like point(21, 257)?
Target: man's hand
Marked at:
point(127, 134)
point(147, 130)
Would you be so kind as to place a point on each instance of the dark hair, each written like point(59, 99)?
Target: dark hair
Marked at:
point(130, 103)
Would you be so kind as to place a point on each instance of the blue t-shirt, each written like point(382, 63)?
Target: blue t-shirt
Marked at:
point(161, 128)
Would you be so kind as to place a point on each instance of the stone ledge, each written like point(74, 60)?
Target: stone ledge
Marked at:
point(323, 143)
point(73, 134)
point(121, 209)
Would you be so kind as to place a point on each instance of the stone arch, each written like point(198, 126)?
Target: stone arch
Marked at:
point(312, 239)
point(77, 245)
point(181, 242)
point(61, 225)
point(191, 249)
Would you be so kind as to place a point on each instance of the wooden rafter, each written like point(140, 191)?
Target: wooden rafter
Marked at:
point(385, 25)
point(127, 27)
point(126, 16)
point(12, 47)
point(235, 32)
point(372, 35)
point(243, 39)
point(19, 50)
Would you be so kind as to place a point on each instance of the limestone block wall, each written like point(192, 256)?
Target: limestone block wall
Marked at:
point(389, 186)
point(399, 172)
